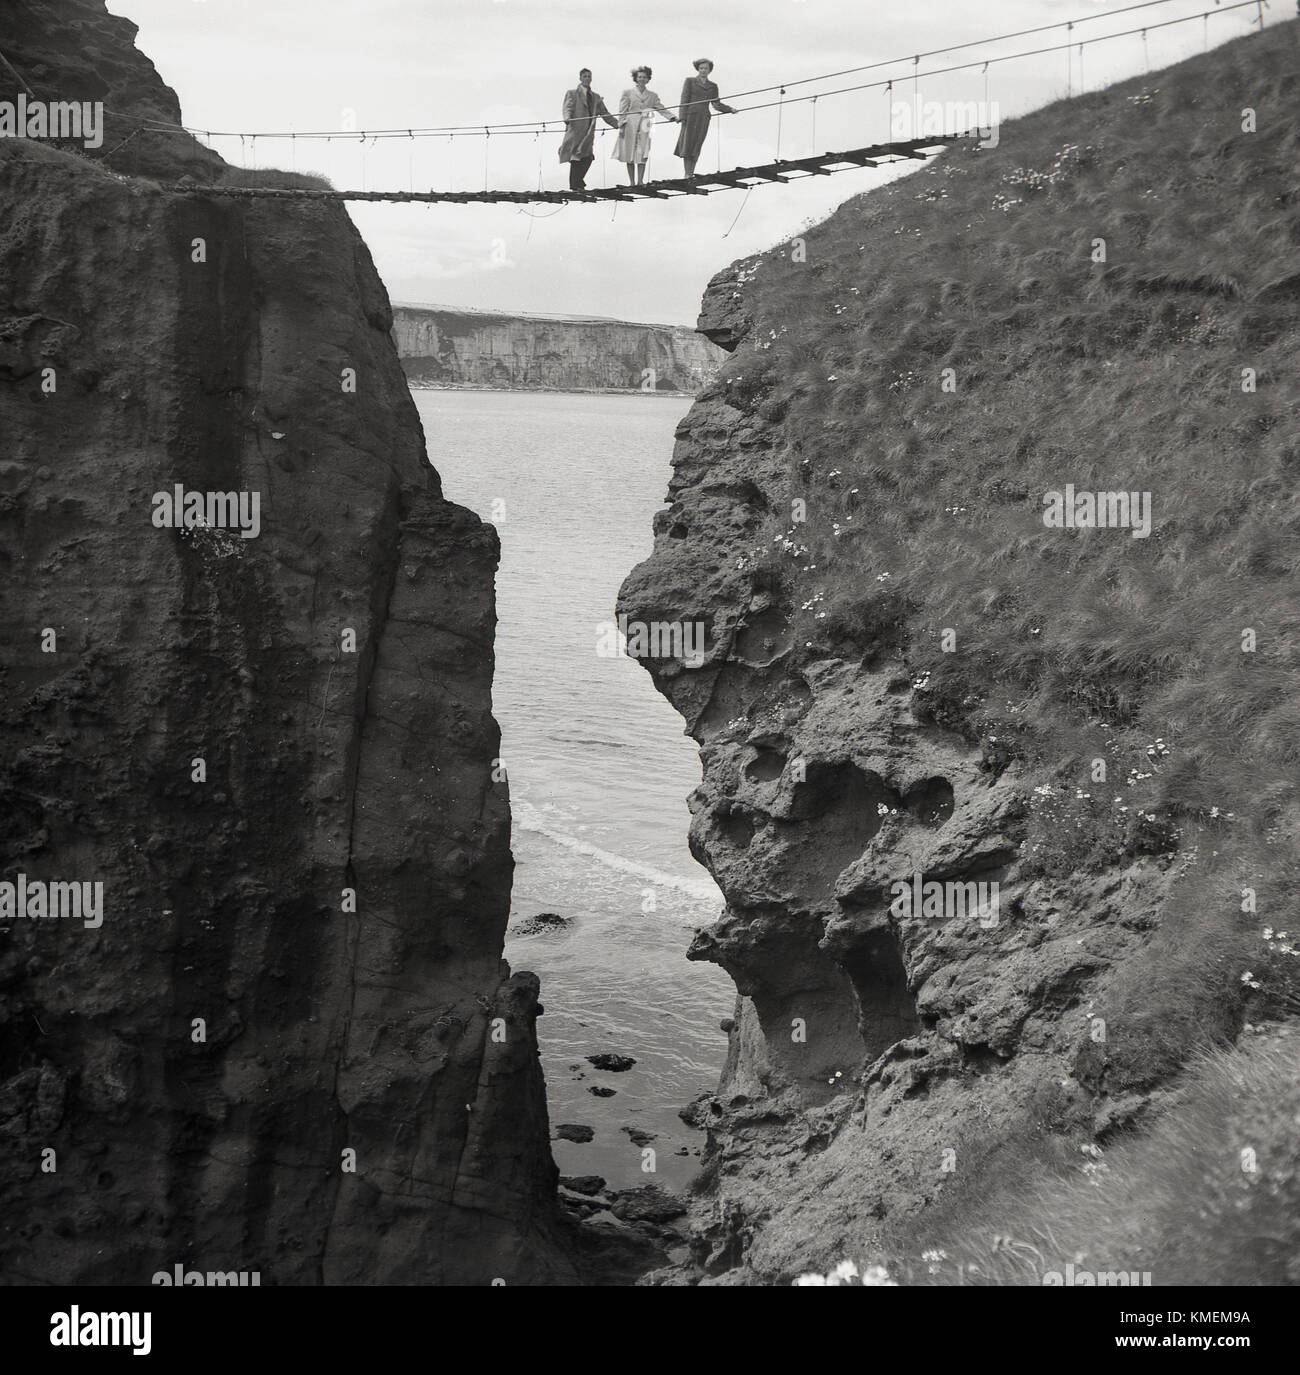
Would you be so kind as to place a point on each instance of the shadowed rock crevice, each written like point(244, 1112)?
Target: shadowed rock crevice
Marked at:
point(805, 1002)
point(763, 638)
point(767, 764)
point(930, 801)
point(830, 818)
point(886, 1007)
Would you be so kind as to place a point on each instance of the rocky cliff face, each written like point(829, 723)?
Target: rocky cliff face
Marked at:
point(292, 1045)
point(909, 675)
point(481, 349)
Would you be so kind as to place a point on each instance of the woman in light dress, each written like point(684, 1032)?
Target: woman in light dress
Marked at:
point(636, 109)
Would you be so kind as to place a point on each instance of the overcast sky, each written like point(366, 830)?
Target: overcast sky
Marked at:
point(318, 64)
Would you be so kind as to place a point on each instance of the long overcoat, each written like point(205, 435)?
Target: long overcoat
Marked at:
point(698, 93)
point(581, 111)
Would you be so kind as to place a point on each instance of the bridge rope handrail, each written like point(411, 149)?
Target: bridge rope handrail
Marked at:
point(951, 48)
point(537, 127)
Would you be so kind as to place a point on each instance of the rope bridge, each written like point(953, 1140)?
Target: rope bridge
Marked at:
point(777, 98)
point(702, 184)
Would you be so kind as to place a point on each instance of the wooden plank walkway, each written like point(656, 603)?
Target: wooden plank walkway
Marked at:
point(702, 184)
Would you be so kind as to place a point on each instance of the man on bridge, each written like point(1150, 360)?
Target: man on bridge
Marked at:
point(582, 107)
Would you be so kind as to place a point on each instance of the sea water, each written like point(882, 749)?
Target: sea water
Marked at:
point(598, 764)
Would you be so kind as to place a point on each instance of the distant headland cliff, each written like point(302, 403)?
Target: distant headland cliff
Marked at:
point(443, 347)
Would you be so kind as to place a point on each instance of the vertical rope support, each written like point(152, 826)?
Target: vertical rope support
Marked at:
point(14, 73)
point(780, 111)
point(537, 140)
point(1146, 52)
point(293, 151)
point(487, 134)
point(739, 212)
point(1083, 85)
point(410, 161)
point(889, 123)
point(1069, 70)
point(814, 122)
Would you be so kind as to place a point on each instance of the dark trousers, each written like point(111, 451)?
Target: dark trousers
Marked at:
point(578, 170)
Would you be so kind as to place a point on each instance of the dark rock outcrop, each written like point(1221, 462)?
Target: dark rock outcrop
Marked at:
point(292, 1046)
point(541, 924)
point(649, 1203)
point(614, 1063)
point(587, 1184)
point(575, 1131)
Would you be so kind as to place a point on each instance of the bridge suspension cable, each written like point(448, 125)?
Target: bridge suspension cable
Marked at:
point(527, 127)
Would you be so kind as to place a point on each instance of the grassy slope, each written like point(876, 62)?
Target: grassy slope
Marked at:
point(924, 507)
point(1209, 1196)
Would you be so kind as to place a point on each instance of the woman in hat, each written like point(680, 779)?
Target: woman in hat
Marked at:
point(636, 109)
point(698, 93)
